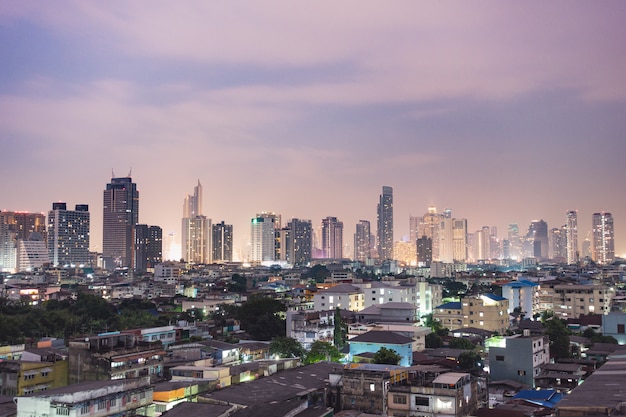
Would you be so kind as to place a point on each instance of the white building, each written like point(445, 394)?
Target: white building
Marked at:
point(345, 296)
point(94, 398)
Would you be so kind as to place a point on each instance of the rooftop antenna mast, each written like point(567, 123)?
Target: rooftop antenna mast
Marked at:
point(130, 173)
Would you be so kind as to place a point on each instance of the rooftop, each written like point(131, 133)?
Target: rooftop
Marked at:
point(382, 336)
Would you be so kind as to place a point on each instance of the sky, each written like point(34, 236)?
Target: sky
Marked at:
point(504, 112)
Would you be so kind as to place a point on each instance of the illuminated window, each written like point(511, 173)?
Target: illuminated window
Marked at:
point(372, 387)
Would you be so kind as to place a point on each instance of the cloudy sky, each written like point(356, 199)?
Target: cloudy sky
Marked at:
point(504, 112)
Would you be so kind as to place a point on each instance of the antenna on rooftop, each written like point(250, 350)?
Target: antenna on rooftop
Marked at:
point(112, 173)
point(130, 173)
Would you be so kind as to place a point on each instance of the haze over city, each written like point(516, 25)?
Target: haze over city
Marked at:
point(502, 112)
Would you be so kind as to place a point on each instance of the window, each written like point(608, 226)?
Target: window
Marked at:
point(102, 404)
point(620, 329)
point(422, 401)
point(372, 387)
point(84, 409)
point(113, 402)
point(29, 376)
point(520, 372)
point(399, 399)
point(500, 358)
point(63, 411)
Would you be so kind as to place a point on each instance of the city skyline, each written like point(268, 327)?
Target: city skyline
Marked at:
point(505, 114)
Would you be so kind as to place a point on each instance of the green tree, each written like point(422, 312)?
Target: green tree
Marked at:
point(433, 341)
point(286, 347)
point(558, 333)
point(340, 331)
point(318, 272)
point(322, 351)
point(238, 284)
point(461, 343)
point(470, 361)
point(260, 317)
point(386, 356)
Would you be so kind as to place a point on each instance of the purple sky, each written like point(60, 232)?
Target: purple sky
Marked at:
point(504, 112)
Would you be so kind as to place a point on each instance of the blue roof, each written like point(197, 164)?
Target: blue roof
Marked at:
point(454, 305)
point(495, 297)
point(544, 397)
point(520, 284)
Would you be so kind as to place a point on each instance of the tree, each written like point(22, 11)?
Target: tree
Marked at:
point(470, 361)
point(260, 317)
point(238, 284)
point(558, 333)
point(433, 341)
point(340, 331)
point(318, 272)
point(286, 347)
point(461, 343)
point(322, 351)
point(386, 356)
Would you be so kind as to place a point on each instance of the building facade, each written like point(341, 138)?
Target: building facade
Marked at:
point(148, 247)
point(362, 247)
point(222, 236)
point(385, 224)
point(16, 226)
point(603, 241)
point(332, 238)
point(571, 236)
point(264, 231)
point(120, 215)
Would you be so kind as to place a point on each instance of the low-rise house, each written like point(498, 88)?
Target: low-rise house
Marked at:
point(389, 312)
point(95, 398)
point(614, 324)
point(560, 376)
point(166, 395)
point(344, 296)
point(373, 341)
point(518, 358)
point(486, 311)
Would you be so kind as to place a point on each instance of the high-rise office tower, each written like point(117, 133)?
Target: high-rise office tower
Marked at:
point(362, 247)
point(515, 242)
point(148, 247)
point(571, 236)
point(482, 244)
point(414, 224)
point(494, 244)
point(264, 231)
point(16, 226)
point(196, 230)
point(538, 236)
point(332, 238)
point(385, 224)
point(557, 240)
point(603, 239)
point(68, 235)
point(446, 240)
point(120, 215)
point(296, 240)
point(424, 249)
point(429, 227)
point(222, 242)
point(459, 239)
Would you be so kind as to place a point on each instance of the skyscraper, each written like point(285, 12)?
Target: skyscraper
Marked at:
point(603, 239)
point(17, 226)
point(222, 242)
point(558, 243)
point(431, 222)
point(332, 238)
point(264, 229)
point(538, 236)
point(414, 223)
point(148, 247)
point(120, 215)
point(385, 224)
point(362, 248)
point(68, 235)
point(515, 242)
point(571, 236)
point(297, 242)
point(196, 230)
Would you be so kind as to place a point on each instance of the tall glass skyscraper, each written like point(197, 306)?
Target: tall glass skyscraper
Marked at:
point(603, 249)
point(121, 214)
point(362, 248)
point(196, 230)
point(332, 238)
point(385, 224)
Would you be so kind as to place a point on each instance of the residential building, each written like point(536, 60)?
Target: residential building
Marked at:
point(572, 300)
point(522, 294)
point(431, 394)
point(17, 226)
point(311, 326)
point(32, 253)
point(424, 251)
point(614, 324)
point(332, 238)
point(405, 253)
point(372, 341)
point(344, 296)
point(385, 224)
point(519, 358)
point(557, 244)
point(68, 235)
point(486, 311)
point(148, 247)
point(403, 312)
point(537, 236)
point(263, 234)
point(429, 228)
point(298, 243)
point(603, 241)
point(515, 242)
point(22, 377)
point(362, 247)
point(120, 215)
point(222, 235)
point(95, 398)
point(114, 355)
